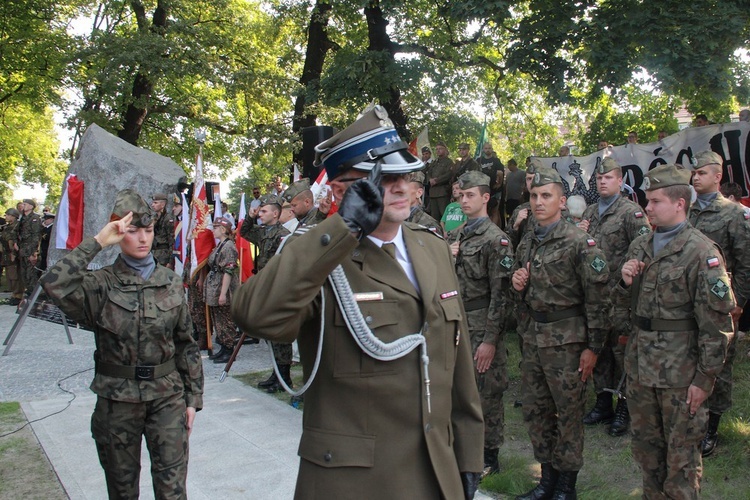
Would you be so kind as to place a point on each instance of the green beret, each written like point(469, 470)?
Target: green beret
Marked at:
point(15, 213)
point(30, 202)
point(270, 199)
point(473, 179)
point(441, 143)
point(417, 177)
point(534, 165)
point(706, 158)
point(159, 197)
point(463, 145)
point(129, 200)
point(607, 165)
point(665, 176)
point(296, 189)
point(544, 176)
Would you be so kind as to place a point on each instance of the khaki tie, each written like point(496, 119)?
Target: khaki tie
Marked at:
point(390, 249)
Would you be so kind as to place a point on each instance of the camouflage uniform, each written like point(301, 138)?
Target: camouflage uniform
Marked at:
point(527, 226)
point(268, 239)
point(483, 264)
point(30, 236)
point(685, 282)
point(442, 171)
point(136, 323)
point(163, 245)
point(419, 216)
point(196, 305)
point(727, 224)
point(223, 260)
point(11, 262)
point(613, 231)
point(314, 216)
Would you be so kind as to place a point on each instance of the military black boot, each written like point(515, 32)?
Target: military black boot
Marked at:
point(218, 353)
point(491, 463)
point(271, 380)
point(621, 423)
point(602, 412)
point(708, 445)
point(546, 487)
point(286, 377)
point(566, 486)
point(223, 355)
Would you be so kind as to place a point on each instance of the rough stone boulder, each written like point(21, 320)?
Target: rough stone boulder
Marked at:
point(106, 164)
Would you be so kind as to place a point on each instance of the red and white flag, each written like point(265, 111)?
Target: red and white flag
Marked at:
point(244, 247)
point(69, 220)
point(422, 140)
point(201, 235)
point(320, 190)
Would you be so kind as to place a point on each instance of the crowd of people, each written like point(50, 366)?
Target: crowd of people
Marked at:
point(399, 303)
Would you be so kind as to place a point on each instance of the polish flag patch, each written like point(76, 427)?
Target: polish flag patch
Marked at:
point(712, 262)
point(503, 242)
point(638, 215)
point(591, 242)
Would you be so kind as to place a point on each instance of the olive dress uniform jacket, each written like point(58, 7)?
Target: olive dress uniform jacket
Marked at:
point(367, 432)
point(135, 322)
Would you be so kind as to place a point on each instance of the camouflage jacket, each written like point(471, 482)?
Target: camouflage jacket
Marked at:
point(223, 260)
point(686, 280)
point(266, 238)
point(8, 237)
point(567, 270)
point(615, 229)
point(727, 224)
point(29, 234)
point(163, 245)
point(442, 171)
point(526, 226)
point(483, 264)
point(314, 216)
point(419, 216)
point(135, 323)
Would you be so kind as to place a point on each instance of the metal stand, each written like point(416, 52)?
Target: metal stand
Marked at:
point(29, 303)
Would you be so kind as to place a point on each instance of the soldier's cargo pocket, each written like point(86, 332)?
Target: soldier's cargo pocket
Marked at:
point(330, 449)
point(119, 311)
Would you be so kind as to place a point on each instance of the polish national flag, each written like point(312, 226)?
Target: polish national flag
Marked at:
point(201, 229)
point(244, 247)
point(69, 220)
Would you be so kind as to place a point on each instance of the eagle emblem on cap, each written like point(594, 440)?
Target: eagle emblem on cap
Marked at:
point(646, 183)
point(537, 177)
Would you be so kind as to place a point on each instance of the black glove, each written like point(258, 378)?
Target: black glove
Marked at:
point(470, 481)
point(362, 206)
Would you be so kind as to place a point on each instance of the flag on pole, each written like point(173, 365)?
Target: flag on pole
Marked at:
point(201, 229)
point(320, 189)
point(297, 173)
point(69, 220)
point(180, 236)
point(217, 205)
point(422, 140)
point(482, 139)
point(244, 247)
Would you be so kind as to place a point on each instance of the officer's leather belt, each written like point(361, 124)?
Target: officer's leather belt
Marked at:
point(665, 325)
point(135, 372)
point(476, 304)
point(549, 317)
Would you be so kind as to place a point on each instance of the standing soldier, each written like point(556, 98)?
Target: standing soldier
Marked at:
point(727, 224)
point(681, 300)
point(561, 278)
point(439, 175)
point(300, 197)
point(267, 237)
point(11, 261)
point(418, 215)
point(163, 231)
point(464, 163)
point(522, 219)
point(614, 222)
point(484, 258)
point(30, 236)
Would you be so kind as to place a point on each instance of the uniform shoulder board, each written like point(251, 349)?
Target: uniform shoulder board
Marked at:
point(590, 242)
point(504, 242)
point(638, 214)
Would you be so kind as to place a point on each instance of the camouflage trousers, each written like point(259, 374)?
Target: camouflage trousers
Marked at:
point(553, 403)
point(221, 319)
point(15, 283)
point(609, 365)
point(492, 384)
point(282, 353)
point(720, 399)
point(666, 440)
point(29, 275)
point(197, 308)
point(118, 429)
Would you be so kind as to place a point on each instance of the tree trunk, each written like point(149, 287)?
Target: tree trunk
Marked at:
point(143, 84)
point(380, 41)
point(318, 46)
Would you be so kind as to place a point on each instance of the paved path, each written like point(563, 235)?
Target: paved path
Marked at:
point(243, 446)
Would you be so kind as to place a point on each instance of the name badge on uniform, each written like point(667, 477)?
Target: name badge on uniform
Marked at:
point(368, 296)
